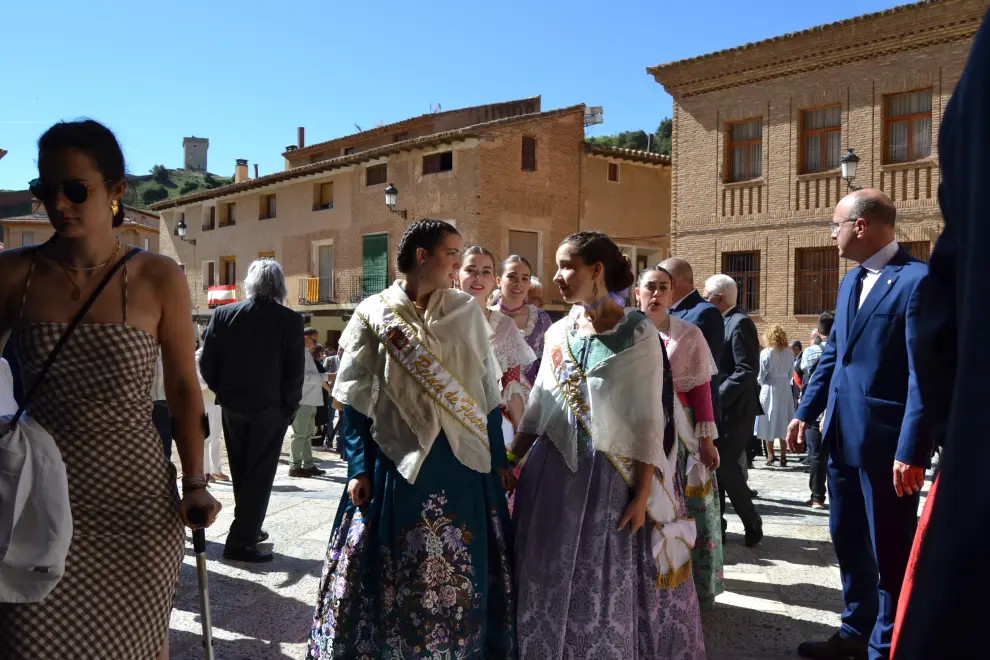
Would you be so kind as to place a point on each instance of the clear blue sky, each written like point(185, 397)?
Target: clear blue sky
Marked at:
point(246, 74)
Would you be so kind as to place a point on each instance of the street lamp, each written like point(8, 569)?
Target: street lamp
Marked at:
point(849, 163)
point(391, 197)
point(181, 229)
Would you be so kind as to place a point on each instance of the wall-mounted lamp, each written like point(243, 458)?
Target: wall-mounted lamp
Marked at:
point(391, 197)
point(849, 163)
point(181, 229)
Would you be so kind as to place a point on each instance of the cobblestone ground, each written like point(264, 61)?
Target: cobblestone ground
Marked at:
point(778, 594)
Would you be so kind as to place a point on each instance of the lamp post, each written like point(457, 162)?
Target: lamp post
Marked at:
point(181, 229)
point(391, 197)
point(849, 163)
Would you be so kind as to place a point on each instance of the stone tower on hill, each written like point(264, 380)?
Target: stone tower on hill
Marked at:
point(195, 153)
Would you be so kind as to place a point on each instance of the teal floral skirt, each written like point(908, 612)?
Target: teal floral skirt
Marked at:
point(706, 557)
point(423, 571)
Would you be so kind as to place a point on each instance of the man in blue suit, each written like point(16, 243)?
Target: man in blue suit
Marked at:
point(877, 445)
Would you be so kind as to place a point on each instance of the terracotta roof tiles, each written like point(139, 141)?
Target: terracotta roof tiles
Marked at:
point(627, 154)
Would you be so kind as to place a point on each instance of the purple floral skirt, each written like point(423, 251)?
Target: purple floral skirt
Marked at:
point(584, 589)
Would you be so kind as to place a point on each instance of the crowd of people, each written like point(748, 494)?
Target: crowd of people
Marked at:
point(611, 430)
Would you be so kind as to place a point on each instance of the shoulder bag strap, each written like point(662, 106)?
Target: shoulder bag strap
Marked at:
point(76, 320)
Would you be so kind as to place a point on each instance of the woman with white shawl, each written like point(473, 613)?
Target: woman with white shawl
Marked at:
point(692, 368)
point(477, 279)
point(603, 545)
point(418, 564)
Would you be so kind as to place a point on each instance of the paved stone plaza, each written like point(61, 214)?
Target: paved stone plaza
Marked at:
point(784, 591)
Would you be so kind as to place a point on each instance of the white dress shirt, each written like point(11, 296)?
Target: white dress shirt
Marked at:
point(873, 266)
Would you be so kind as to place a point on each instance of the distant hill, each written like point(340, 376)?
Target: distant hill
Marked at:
point(164, 184)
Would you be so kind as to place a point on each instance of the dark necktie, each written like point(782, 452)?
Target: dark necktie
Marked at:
point(857, 291)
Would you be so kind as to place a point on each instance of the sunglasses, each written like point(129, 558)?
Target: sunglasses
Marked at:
point(76, 192)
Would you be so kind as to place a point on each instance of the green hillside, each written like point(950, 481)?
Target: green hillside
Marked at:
point(164, 183)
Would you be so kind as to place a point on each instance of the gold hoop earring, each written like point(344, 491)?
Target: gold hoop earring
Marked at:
point(114, 207)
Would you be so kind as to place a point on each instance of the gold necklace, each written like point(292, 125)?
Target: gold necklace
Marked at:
point(76, 290)
point(666, 324)
point(96, 267)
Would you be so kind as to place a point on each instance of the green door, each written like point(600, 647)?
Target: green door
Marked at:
point(375, 262)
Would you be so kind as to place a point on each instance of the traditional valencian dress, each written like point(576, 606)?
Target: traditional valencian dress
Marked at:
point(423, 571)
point(514, 355)
point(586, 590)
point(537, 325)
point(692, 367)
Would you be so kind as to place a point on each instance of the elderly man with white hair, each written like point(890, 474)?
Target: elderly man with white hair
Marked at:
point(254, 359)
point(738, 392)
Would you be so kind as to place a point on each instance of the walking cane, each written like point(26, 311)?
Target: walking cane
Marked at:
point(197, 516)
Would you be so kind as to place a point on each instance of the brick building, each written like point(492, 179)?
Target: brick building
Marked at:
point(23, 221)
point(759, 131)
point(509, 176)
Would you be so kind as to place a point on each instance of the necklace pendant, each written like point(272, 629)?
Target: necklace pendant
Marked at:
point(76, 294)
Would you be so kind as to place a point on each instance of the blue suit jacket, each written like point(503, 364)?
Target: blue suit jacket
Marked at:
point(867, 373)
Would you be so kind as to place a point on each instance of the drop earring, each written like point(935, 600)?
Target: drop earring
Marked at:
point(594, 289)
point(114, 207)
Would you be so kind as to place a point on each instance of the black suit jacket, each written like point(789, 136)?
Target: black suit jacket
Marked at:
point(254, 357)
point(939, 622)
point(695, 309)
point(738, 369)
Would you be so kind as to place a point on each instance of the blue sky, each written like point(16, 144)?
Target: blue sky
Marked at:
point(246, 74)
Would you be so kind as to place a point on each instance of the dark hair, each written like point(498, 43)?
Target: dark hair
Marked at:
point(96, 141)
point(653, 269)
point(795, 343)
point(517, 259)
point(595, 247)
point(477, 249)
point(425, 234)
point(310, 332)
point(825, 322)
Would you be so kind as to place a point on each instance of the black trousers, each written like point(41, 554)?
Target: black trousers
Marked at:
point(254, 442)
point(731, 481)
point(817, 463)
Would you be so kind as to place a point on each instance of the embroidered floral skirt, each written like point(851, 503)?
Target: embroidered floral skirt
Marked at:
point(706, 557)
point(585, 590)
point(421, 572)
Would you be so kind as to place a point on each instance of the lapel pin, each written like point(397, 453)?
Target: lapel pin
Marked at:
point(890, 281)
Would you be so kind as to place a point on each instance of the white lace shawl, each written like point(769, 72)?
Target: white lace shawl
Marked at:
point(508, 342)
point(623, 391)
point(627, 422)
point(407, 420)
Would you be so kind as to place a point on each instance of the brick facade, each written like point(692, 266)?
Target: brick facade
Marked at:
point(487, 194)
point(853, 65)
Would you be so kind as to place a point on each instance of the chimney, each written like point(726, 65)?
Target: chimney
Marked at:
point(302, 137)
point(255, 170)
point(241, 170)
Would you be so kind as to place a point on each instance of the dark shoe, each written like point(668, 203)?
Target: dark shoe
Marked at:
point(836, 648)
point(262, 537)
point(753, 536)
point(250, 555)
point(315, 471)
point(783, 462)
point(316, 442)
point(300, 472)
point(753, 492)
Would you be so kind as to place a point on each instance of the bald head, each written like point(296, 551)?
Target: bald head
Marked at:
point(871, 204)
point(683, 276)
point(863, 224)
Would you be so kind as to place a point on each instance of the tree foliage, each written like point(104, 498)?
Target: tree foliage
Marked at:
point(658, 142)
point(160, 173)
point(154, 194)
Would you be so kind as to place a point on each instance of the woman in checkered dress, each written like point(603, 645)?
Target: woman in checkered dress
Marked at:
point(115, 597)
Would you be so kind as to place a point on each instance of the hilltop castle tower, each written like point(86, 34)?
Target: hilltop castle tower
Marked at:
point(195, 153)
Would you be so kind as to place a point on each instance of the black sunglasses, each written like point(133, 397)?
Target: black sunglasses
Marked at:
point(76, 192)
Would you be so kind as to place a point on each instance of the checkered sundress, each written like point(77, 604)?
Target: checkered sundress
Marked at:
point(116, 595)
